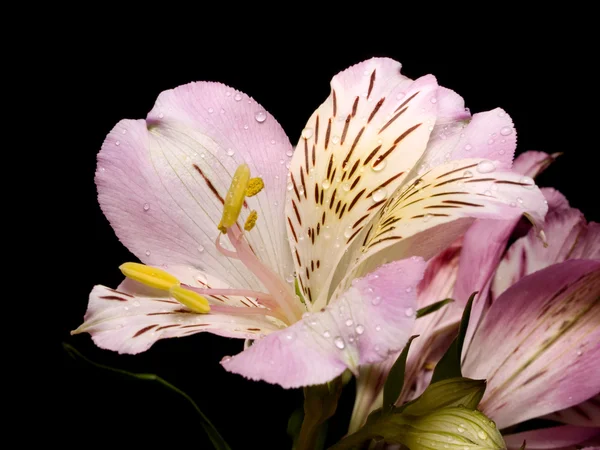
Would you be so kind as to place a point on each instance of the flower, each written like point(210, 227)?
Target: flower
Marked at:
point(534, 327)
point(386, 168)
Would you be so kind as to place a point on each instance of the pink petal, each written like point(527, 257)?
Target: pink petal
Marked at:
point(553, 438)
point(436, 285)
point(568, 237)
point(532, 163)
point(537, 345)
point(489, 135)
point(356, 148)
point(133, 317)
point(586, 414)
point(451, 108)
point(161, 181)
point(372, 319)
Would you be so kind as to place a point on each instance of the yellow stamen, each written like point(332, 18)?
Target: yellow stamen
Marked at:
point(251, 220)
point(150, 276)
point(191, 299)
point(254, 186)
point(235, 198)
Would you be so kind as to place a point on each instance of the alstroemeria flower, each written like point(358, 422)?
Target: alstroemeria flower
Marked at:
point(386, 168)
point(537, 343)
point(455, 272)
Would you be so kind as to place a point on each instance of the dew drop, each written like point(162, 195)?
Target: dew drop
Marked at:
point(289, 335)
point(339, 342)
point(468, 174)
point(200, 248)
point(225, 359)
point(230, 152)
point(272, 141)
point(409, 312)
point(246, 127)
point(513, 204)
point(348, 232)
point(379, 195)
point(147, 252)
point(376, 300)
point(118, 143)
point(326, 334)
point(290, 186)
point(146, 206)
point(349, 322)
point(460, 429)
point(210, 110)
point(289, 153)
point(485, 166)
point(482, 435)
point(307, 133)
point(502, 152)
point(161, 115)
point(490, 141)
point(326, 183)
point(579, 353)
point(520, 200)
point(260, 116)
point(433, 100)
point(335, 139)
point(379, 167)
point(468, 147)
point(506, 131)
point(346, 187)
point(136, 303)
point(237, 97)
point(400, 95)
point(378, 328)
point(360, 329)
point(408, 289)
point(124, 132)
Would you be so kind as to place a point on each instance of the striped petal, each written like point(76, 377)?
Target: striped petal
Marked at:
point(133, 317)
point(373, 318)
point(161, 181)
point(537, 346)
point(357, 146)
point(433, 203)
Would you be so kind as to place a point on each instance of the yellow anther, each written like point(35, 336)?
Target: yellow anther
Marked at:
point(191, 299)
point(150, 276)
point(254, 186)
point(251, 220)
point(235, 197)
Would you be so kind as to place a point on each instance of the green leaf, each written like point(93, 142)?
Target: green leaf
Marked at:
point(214, 436)
point(320, 403)
point(432, 308)
point(449, 365)
point(395, 380)
point(294, 425)
point(444, 394)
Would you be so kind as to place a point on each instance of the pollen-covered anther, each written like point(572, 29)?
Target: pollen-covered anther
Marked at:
point(255, 185)
point(235, 197)
point(251, 220)
point(191, 299)
point(150, 276)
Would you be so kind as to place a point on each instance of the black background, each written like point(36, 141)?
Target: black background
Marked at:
point(541, 75)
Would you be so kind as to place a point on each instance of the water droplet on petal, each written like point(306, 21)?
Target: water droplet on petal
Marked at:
point(136, 303)
point(146, 206)
point(490, 141)
point(468, 174)
point(290, 186)
point(118, 143)
point(339, 342)
point(468, 147)
point(482, 435)
point(289, 153)
point(237, 97)
point(289, 335)
point(360, 329)
point(326, 183)
point(513, 204)
point(349, 322)
point(307, 133)
point(460, 429)
point(260, 116)
point(124, 131)
point(409, 312)
point(230, 152)
point(376, 300)
point(408, 289)
point(400, 95)
point(326, 334)
point(379, 195)
point(348, 232)
point(335, 139)
point(433, 100)
point(378, 328)
point(379, 167)
point(147, 252)
point(579, 353)
point(346, 187)
point(201, 248)
point(210, 110)
point(506, 131)
point(520, 200)
point(161, 115)
point(485, 166)
point(225, 359)
point(246, 127)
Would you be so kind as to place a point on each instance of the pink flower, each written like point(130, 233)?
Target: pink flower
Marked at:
point(535, 325)
point(386, 168)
